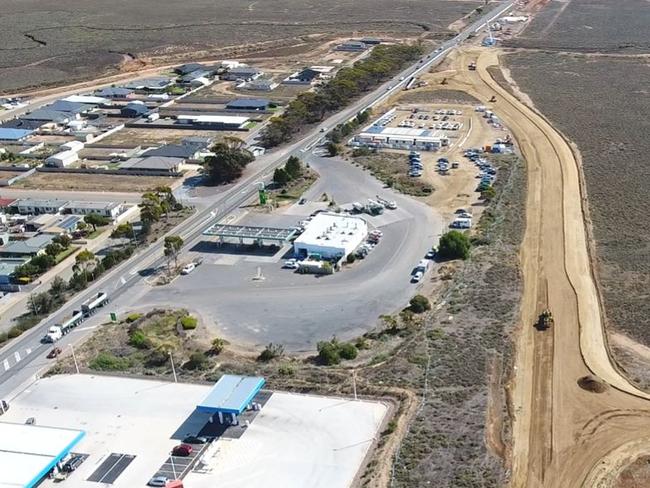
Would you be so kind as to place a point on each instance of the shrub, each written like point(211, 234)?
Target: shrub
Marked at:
point(105, 361)
point(328, 353)
point(348, 351)
point(188, 322)
point(133, 317)
point(14, 332)
point(271, 352)
point(454, 245)
point(157, 358)
point(420, 304)
point(351, 258)
point(139, 340)
point(286, 370)
point(197, 361)
point(217, 345)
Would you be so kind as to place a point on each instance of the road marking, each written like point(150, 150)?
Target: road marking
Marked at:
point(17, 356)
point(122, 280)
point(28, 351)
point(6, 364)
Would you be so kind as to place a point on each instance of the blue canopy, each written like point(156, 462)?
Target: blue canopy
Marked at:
point(231, 394)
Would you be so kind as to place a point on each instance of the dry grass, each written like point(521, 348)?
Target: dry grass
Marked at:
point(90, 182)
point(133, 137)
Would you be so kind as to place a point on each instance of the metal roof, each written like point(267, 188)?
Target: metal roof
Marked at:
point(244, 103)
point(250, 232)
point(14, 134)
point(231, 394)
point(29, 452)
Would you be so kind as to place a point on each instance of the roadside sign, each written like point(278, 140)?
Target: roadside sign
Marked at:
point(113, 317)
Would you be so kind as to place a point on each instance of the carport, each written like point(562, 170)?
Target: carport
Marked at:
point(258, 235)
point(231, 395)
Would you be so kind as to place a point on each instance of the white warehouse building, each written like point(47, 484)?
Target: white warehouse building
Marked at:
point(331, 235)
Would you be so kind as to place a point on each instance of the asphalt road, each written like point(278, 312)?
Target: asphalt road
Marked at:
point(22, 358)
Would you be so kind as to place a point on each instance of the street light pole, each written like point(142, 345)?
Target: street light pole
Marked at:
point(74, 358)
point(354, 382)
point(173, 368)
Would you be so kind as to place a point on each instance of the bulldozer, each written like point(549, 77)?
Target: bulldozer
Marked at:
point(545, 320)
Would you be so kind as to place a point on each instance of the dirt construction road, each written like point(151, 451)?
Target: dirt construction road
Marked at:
point(577, 421)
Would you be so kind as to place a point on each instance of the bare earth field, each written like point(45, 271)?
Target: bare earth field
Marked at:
point(132, 137)
point(55, 41)
point(608, 102)
point(89, 182)
point(589, 26)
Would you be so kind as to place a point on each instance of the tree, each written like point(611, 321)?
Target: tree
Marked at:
point(454, 245)
point(43, 262)
point(57, 288)
point(53, 249)
point(348, 351)
point(96, 220)
point(488, 194)
point(332, 148)
point(172, 247)
point(293, 167)
point(419, 304)
point(84, 261)
point(280, 177)
point(228, 163)
point(271, 352)
point(123, 230)
point(328, 353)
point(218, 345)
point(63, 240)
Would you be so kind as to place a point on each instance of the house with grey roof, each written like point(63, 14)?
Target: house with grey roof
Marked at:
point(70, 107)
point(154, 83)
point(133, 110)
point(154, 164)
point(114, 92)
point(28, 248)
point(33, 206)
point(242, 73)
point(46, 115)
point(185, 69)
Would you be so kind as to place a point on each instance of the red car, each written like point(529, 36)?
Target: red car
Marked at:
point(54, 353)
point(182, 450)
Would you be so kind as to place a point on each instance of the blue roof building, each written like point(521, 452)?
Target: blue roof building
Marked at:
point(231, 395)
point(14, 134)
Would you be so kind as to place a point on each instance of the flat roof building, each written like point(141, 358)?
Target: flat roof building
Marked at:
point(29, 452)
point(153, 163)
point(214, 122)
point(106, 209)
point(231, 395)
point(331, 236)
point(26, 206)
point(14, 134)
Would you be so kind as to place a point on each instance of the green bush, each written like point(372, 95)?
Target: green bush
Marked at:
point(14, 332)
point(157, 358)
point(188, 322)
point(351, 258)
point(348, 351)
point(197, 361)
point(271, 352)
point(328, 353)
point(420, 304)
point(286, 370)
point(133, 317)
point(105, 361)
point(454, 245)
point(139, 340)
point(218, 345)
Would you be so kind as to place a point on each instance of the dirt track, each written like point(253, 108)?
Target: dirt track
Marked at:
point(564, 436)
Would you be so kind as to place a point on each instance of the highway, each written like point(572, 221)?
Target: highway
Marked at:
point(23, 358)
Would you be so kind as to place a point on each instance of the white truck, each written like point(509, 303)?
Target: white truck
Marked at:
point(91, 305)
point(55, 332)
point(389, 204)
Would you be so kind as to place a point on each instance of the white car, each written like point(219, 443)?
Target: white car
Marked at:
point(291, 264)
point(188, 268)
point(417, 277)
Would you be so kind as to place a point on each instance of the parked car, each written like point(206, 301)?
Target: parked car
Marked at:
point(431, 253)
point(417, 277)
point(158, 481)
point(188, 268)
point(54, 353)
point(4, 406)
point(73, 463)
point(192, 439)
point(198, 261)
point(182, 450)
point(291, 264)
point(302, 201)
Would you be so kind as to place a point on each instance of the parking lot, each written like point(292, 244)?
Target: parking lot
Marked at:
point(299, 310)
point(132, 425)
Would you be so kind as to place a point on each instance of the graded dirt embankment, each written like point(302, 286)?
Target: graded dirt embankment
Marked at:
point(562, 431)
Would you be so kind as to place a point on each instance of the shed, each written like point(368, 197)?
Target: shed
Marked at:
point(62, 159)
point(248, 104)
point(231, 395)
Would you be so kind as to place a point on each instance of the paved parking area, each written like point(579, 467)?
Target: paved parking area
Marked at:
point(252, 300)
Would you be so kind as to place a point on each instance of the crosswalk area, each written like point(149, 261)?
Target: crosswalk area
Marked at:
point(14, 359)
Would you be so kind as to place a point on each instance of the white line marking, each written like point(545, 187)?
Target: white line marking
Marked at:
point(28, 351)
point(17, 356)
point(123, 280)
point(6, 364)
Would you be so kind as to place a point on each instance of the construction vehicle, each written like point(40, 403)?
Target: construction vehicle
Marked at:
point(472, 66)
point(545, 320)
point(493, 99)
point(91, 305)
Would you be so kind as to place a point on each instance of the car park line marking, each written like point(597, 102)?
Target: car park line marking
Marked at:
point(17, 356)
point(6, 364)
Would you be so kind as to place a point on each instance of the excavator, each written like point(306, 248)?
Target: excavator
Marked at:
point(545, 320)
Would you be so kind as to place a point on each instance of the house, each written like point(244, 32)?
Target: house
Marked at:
point(63, 225)
point(230, 64)
point(27, 206)
point(37, 222)
point(353, 46)
point(105, 209)
point(154, 83)
point(45, 115)
point(28, 248)
point(183, 151)
point(261, 84)
point(21, 124)
point(5, 203)
point(14, 135)
point(72, 146)
point(248, 104)
point(153, 163)
point(62, 159)
point(201, 142)
point(87, 100)
point(305, 77)
point(195, 78)
point(70, 107)
point(7, 268)
point(133, 110)
point(114, 92)
point(242, 73)
point(188, 68)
